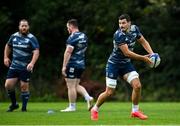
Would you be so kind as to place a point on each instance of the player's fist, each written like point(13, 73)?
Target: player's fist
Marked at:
point(30, 67)
point(7, 61)
point(63, 71)
point(147, 59)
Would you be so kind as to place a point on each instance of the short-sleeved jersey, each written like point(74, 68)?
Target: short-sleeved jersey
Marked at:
point(129, 38)
point(79, 41)
point(22, 49)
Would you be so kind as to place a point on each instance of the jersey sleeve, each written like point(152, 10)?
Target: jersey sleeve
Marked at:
point(119, 39)
point(34, 43)
point(9, 42)
point(138, 32)
point(71, 41)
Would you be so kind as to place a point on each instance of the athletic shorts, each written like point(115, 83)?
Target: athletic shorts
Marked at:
point(113, 71)
point(73, 72)
point(22, 75)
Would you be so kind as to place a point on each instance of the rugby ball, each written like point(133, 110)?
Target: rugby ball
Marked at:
point(155, 59)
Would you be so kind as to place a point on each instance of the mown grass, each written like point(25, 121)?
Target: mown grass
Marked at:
point(111, 113)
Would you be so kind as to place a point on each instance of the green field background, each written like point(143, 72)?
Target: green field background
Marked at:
point(111, 113)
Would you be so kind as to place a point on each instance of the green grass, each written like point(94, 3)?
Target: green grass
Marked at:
point(111, 113)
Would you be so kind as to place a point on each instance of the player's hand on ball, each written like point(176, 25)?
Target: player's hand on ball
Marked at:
point(147, 59)
point(155, 59)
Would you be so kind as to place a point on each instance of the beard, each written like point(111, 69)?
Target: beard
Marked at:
point(123, 29)
point(24, 32)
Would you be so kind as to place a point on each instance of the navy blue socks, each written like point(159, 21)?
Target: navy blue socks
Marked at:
point(12, 96)
point(25, 98)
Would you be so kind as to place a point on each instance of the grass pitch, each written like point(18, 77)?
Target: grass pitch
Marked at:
point(111, 113)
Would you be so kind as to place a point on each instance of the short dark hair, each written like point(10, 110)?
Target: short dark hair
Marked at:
point(23, 20)
point(73, 22)
point(125, 16)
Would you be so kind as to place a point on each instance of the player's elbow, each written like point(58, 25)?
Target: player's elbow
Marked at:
point(36, 52)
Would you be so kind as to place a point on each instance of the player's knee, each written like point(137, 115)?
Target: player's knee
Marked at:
point(24, 87)
point(8, 86)
point(136, 85)
point(109, 93)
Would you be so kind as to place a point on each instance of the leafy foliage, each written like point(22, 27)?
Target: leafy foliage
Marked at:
point(158, 20)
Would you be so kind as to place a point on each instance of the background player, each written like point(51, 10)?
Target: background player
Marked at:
point(74, 65)
point(25, 52)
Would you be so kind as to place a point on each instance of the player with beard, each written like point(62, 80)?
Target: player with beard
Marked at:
point(24, 48)
point(119, 65)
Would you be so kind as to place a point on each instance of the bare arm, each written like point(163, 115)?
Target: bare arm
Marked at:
point(7, 51)
point(35, 57)
point(145, 44)
point(124, 48)
point(67, 55)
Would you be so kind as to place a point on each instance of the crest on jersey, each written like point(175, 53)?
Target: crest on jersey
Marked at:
point(26, 40)
point(14, 39)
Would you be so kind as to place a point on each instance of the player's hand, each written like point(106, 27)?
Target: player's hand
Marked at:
point(148, 55)
point(147, 59)
point(7, 61)
point(64, 71)
point(30, 67)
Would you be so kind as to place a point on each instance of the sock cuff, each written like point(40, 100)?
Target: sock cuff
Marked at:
point(95, 108)
point(25, 93)
point(87, 97)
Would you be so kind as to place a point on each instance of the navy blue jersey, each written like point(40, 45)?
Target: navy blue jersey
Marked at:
point(79, 41)
point(129, 38)
point(22, 47)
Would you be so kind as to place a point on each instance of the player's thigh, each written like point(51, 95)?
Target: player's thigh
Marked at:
point(71, 83)
point(10, 83)
point(78, 74)
point(73, 76)
point(128, 72)
point(111, 75)
point(11, 78)
point(131, 77)
point(24, 80)
point(74, 72)
point(24, 75)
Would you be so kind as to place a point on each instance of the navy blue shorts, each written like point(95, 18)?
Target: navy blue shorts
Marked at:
point(113, 71)
point(22, 75)
point(73, 72)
